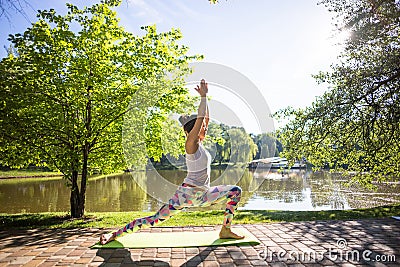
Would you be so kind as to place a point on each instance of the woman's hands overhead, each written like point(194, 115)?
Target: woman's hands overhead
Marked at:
point(202, 89)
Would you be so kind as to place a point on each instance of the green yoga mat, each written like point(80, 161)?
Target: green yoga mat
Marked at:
point(179, 239)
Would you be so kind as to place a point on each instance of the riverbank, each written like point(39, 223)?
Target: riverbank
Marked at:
point(27, 173)
point(37, 173)
point(191, 218)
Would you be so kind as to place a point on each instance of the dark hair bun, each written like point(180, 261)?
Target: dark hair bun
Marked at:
point(186, 118)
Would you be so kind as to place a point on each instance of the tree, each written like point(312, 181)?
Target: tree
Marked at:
point(242, 147)
point(354, 126)
point(229, 144)
point(65, 93)
point(224, 148)
point(215, 141)
point(267, 145)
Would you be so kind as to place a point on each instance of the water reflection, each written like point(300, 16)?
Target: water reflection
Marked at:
point(297, 190)
point(293, 190)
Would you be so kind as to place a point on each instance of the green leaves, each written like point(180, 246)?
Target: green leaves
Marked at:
point(65, 93)
point(354, 126)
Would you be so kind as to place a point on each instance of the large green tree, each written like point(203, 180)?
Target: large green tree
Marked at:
point(354, 126)
point(242, 147)
point(71, 80)
point(267, 145)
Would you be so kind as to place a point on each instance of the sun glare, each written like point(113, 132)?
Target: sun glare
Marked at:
point(341, 37)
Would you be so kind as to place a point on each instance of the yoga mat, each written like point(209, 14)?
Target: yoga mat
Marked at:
point(179, 239)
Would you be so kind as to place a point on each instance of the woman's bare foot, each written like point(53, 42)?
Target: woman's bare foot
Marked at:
point(105, 238)
point(226, 233)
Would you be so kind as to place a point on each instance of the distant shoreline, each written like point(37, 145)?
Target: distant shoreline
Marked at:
point(37, 173)
point(30, 176)
point(20, 174)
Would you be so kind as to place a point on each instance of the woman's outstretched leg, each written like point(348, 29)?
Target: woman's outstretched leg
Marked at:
point(165, 212)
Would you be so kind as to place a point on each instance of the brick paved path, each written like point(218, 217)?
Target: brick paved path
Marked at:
point(320, 243)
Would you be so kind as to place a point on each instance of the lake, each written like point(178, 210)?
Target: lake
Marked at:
point(145, 191)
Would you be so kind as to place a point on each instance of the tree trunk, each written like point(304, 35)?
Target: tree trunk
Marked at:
point(77, 196)
point(77, 205)
point(84, 177)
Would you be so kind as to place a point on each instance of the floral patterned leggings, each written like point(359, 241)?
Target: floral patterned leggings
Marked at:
point(190, 197)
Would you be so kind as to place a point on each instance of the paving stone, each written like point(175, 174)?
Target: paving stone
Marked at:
point(18, 253)
point(237, 255)
point(258, 263)
point(278, 264)
point(173, 250)
point(225, 260)
point(163, 255)
point(250, 252)
point(193, 264)
point(76, 252)
point(210, 264)
point(70, 247)
point(164, 250)
point(222, 254)
point(209, 258)
point(148, 255)
point(69, 259)
point(33, 263)
point(83, 260)
point(178, 256)
point(98, 259)
point(192, 250)
point(242, 262)
point(177, 262)
point(32, 253)
point(115, 260)
point(47, 264)
point(20, 260)
point(4, 255)
point(94, 264)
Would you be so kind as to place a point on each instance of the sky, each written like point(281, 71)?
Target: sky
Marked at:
point(278, 45)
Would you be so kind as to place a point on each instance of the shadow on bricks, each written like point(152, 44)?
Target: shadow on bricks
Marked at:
point(199, 258)
point(123, 257)
point(37, 237)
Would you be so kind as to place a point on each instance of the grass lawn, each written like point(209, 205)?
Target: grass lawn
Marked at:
point(192, 218)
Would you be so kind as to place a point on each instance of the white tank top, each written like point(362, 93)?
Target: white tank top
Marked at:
point(198, 168)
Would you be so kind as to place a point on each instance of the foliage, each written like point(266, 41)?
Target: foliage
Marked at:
point(65, 93)
point(220, 140)
point(354, 126)
point(225, 143)
point(267, 144)
point(217, 142)
point(242, 147)
point(230, 144)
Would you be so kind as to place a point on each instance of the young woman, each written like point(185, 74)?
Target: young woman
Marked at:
point(195, 190)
